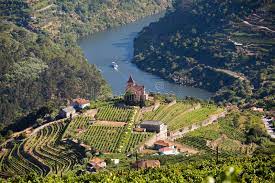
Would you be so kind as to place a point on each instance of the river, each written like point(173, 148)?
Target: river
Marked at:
point(116, 44)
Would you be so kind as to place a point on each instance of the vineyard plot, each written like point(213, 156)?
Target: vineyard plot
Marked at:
point(76, 126)
point(223, 134)
point(137, 139)
point(103, 138)
point(110, 113)
point(181, 114)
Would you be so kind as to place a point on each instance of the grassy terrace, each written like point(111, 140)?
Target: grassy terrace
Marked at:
point(181, 114)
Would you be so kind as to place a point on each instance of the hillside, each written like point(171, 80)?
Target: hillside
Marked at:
point(109, 132)
point(85, 17)
point(225, 47)
point(254, 169)
point(40, 62)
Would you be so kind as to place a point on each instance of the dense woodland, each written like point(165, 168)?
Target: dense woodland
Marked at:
point(41, 64)
point(226, 47)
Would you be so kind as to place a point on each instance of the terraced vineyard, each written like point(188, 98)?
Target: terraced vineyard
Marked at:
point(193, 117)
point(110, 113)
point(106, 136)
point(14, 162)
point(136, 139)
point(222, 134)
point(41, 153)
point(78, 123)
point(181, 114)
point(103, 138)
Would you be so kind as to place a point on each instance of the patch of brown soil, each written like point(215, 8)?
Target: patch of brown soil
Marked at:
point(110, 123)
point(91, 113)
point(184, 148)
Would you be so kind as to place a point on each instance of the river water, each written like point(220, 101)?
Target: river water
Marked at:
point(116, 44)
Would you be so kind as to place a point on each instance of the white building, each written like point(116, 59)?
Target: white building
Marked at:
point(168, 151)
point(80, 103)
point(154, 126)
point(67, 112)
point(115, 161)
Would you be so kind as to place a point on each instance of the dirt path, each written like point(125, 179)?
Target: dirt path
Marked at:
point(236, 75)
point(45, 8)
point(258, 26)
point(110, 123)
point(91, 113)
point(233, 74)
point(184, 148)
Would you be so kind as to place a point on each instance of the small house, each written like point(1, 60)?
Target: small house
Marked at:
point(97, 162)
point(67, 112)
point(161, 144)
point(257, 109)
point(144, 164)
point(80, 103)
point(154, 126)
point(115, 161)
point(168, 151)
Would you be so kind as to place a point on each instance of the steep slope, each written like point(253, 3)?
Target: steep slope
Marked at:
point(256, 168)
point(40, 61)
point(86, 16)
point(222, 46)
point(35, 70)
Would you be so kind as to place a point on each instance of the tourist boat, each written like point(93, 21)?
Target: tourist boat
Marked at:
point(114, 65)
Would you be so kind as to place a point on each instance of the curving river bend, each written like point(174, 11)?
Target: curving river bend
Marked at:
point(116, 44)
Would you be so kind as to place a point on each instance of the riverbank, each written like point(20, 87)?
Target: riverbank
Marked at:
point(194, 52)
point(118, 43)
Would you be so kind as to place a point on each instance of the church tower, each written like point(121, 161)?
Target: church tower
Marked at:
point(130, 82)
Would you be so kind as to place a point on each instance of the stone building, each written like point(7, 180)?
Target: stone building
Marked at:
point(154, 126)
point(134, 93)
point(67, 112)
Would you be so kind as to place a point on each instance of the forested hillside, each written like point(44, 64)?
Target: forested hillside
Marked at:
point(40, 61)
point(223, 46)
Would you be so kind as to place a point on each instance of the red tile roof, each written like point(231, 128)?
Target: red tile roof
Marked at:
point(81, 101)
point(147, 164)
point(162, 143)
point(96, 160)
